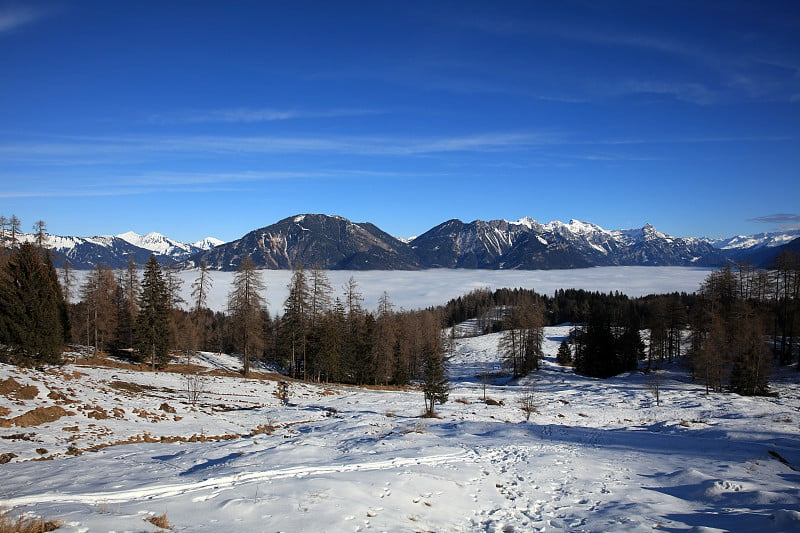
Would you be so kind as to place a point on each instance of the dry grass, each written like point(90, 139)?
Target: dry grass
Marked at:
point(10, 388)
point(26, 525)
point(160, 521)
point(40, 415)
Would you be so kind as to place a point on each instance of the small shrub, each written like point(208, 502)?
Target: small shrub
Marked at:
point(160, 521)
point(26, 525)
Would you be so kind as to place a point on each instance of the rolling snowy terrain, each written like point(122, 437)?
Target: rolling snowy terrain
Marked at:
point(123, 445)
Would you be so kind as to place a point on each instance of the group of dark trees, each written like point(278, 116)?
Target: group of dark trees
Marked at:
point(728, 333)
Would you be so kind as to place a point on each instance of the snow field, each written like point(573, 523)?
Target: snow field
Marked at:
point(599, 455)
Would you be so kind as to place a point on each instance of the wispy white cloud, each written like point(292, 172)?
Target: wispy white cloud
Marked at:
point(77, 149)
point(14, 17)
point(690, 92)
point(184, 182)
point(244, 115)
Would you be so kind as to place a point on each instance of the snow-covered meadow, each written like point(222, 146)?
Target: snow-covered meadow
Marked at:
point(599, 455)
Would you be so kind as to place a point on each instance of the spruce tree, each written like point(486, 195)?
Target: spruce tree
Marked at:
point(564, 355)
point(33, 318)
point(153, 319)
point(246, 306)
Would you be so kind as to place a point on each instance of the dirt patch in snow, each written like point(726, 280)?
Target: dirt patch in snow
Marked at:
point(10, 388)
point(40, 415)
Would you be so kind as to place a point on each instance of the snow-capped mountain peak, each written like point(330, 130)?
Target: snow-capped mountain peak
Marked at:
point(208, 243)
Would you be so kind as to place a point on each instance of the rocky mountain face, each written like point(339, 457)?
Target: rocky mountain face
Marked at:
point(333, 242)
point(526, 244)
point(314, 240)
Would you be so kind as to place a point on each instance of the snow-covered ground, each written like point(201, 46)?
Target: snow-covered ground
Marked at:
point(599, 455)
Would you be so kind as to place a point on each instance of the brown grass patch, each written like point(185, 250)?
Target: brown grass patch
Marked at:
point(129, 387)
point(160, 521)
point(4, 411)
point(60, 397)
point(26, 525)
point(183, 368)
point(262, 429)
point(10, 388)
point(40, 415)
point(98, 413)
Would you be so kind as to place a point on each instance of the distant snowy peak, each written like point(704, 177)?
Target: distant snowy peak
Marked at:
point(162, 245)
point(208, 243)
point(156, 243)
point(760, 240)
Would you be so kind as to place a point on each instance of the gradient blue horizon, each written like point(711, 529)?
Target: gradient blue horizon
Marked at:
point(208, 119)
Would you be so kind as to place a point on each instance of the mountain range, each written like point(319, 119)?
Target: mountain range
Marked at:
point(333, 242)
point(84, 253)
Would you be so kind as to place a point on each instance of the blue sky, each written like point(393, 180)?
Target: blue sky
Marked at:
point(216, 118)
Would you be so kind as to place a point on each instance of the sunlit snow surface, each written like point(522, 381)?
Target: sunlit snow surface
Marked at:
point(598, 455)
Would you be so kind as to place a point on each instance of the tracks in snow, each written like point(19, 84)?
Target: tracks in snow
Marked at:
point(223, 482)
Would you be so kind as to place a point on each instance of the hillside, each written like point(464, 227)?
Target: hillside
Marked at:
point(598, 455)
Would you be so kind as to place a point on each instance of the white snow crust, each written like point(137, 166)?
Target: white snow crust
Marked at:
point(598, 455)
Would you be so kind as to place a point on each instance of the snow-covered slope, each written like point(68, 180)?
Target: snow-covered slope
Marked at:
point(598, 455)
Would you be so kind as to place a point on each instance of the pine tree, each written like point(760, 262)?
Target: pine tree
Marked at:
point(296, 322)
point(435, 386)
point(153, 320)
point(564, 355)
point(33, 317)
point(246, 306)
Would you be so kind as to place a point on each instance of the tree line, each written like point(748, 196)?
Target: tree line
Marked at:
point(718, 332)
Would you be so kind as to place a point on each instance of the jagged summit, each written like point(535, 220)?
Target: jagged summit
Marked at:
point(334, 242)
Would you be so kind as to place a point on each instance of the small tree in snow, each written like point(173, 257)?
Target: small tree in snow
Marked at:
point(436, 386)
point(654, 384)
point(196, 384)
point(527, 403)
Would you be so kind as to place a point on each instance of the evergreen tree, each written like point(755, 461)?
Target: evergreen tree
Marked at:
point(33, 317)
point(564, 355)
point(435, 385)
point(246, 306)
point(295, 323)
point(153, 320)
